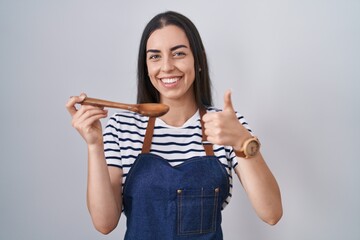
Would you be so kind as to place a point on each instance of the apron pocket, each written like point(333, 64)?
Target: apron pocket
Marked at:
point(197, 210)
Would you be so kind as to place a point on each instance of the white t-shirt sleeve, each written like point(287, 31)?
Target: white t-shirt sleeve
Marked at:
point(111, 143)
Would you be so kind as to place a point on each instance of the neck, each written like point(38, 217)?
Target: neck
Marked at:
point(179, 112)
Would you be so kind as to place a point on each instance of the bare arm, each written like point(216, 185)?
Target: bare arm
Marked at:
point(103, 191)
point(261, 188)
point(104, 184)
point(223, 128)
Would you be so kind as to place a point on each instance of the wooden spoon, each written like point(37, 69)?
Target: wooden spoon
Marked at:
point(146, 109)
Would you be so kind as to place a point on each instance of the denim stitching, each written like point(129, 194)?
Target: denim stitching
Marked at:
point(215, 209)
point(202, 209)
point(215, 196)
point(214, 215)
point(179, 213)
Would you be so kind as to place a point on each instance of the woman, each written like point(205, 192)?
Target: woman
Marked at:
point(172, 175)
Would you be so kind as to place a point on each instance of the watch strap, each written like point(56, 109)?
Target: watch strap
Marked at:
point(239, 153)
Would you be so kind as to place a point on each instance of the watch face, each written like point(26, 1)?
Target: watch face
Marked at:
point(252, 148)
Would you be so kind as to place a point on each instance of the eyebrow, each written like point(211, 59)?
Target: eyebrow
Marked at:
point(171, 49)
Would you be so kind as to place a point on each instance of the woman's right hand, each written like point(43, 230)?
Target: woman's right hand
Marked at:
point(86, 119)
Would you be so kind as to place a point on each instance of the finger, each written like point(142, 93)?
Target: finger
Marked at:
point(70, 105)
point(209, 116)
point(88, 122)
point(227, 101)
point(208, 133)
point(82, 115)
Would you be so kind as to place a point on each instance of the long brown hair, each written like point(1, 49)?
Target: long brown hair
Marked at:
point(202, 84)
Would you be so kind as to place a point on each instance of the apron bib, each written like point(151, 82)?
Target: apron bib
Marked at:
point(162, 202)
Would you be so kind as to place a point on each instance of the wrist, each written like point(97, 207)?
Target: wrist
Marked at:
point(245, 135)
point(98, 146)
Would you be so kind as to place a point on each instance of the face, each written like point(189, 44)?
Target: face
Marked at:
point(170, 64)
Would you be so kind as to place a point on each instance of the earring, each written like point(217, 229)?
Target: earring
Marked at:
point(199, 69)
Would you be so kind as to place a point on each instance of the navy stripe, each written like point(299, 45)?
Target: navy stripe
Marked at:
point(176, 144)
point(114, 165)
point(132, 132)
point(218, 149)
point(127, 165)
point(214, 109)
point(129, 147)
point(126, 131)
point(130, 140)
point(235, 165)
point(111, 150)
point(176, 160)
point(113, 157)
point(131, 124)
point(131, 116)
point(178, 135)
point(111, 142)
point(110, 134)
point(221, 156)
point(226, 166)
point(188, 127)
point(129, 156)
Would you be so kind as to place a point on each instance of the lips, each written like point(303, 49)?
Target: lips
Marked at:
point(170, 81)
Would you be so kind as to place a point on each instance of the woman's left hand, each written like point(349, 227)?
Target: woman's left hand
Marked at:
point(224, 128)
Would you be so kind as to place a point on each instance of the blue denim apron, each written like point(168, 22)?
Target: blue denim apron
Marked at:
point(162, 202)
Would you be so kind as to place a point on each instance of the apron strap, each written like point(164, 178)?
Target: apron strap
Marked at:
point(207, 145)
point(150, 130)
point(148, 135)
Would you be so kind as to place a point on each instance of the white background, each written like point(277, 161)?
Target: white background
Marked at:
point(294, 70)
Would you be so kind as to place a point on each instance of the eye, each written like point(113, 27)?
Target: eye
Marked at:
point(154, 57)
point(179, 54)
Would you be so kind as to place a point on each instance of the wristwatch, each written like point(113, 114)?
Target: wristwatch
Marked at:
point(249, 149)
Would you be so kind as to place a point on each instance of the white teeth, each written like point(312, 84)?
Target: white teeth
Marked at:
point(169, 80)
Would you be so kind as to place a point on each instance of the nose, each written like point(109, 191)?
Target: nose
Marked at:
point(167, 65)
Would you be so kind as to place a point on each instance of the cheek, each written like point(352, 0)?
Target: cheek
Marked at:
point(152, 68)
point(186, 67)
point(149, 73)
point(189, 67)
point(190, 72)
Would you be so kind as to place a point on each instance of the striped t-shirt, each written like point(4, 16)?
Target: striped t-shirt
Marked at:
point(124, 136)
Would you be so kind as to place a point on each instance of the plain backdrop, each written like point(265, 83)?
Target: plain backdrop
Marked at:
point(293, 68)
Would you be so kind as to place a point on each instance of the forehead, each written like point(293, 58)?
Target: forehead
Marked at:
point(167, 37)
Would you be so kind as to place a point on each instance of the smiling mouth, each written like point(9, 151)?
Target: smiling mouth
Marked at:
point(171, 80)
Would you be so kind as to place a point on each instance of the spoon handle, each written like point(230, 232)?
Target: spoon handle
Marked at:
point(110, 104)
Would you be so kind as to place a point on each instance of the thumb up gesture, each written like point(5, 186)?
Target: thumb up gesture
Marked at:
point(224, 128)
